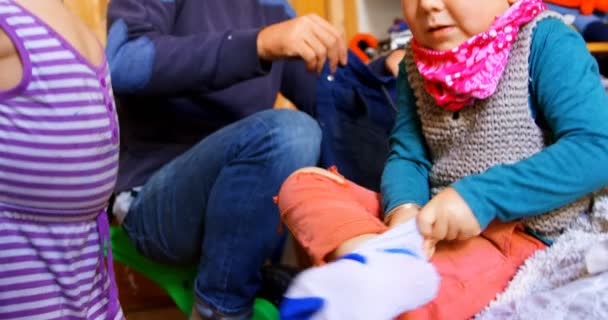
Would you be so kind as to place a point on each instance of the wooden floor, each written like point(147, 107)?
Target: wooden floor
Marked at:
point(167, 313)
point(142, 299)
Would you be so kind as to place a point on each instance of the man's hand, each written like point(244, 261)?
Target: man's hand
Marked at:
point(308, 37)
point(448, 217)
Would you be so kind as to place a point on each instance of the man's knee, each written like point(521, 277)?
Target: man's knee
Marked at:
point(295, 133)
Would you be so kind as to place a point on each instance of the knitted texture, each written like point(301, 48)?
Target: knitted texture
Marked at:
point(546, 278)
point(554, 282)
point(493, 131)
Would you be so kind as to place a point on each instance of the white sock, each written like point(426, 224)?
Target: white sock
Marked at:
point(385, 277)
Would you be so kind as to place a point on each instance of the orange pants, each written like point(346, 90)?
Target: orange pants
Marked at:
point(322, 213)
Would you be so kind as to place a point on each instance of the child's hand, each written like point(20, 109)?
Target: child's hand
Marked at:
point(448, 217)
point(405, 213)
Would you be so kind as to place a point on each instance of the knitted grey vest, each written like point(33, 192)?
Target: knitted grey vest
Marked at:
point(497, 130)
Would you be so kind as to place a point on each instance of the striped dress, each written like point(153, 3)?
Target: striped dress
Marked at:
point(58, 165)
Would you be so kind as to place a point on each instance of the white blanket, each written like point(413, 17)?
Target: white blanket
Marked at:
point(556, 283)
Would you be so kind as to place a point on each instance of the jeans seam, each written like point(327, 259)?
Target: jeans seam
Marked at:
point(145, 244)
point(229, 262)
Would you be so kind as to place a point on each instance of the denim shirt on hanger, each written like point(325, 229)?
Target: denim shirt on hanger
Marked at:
point(356, 111)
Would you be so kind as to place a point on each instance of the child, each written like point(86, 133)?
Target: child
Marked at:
point(58, 164)
point(502, 125)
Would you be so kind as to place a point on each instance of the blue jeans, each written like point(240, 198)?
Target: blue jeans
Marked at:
point(213, 205)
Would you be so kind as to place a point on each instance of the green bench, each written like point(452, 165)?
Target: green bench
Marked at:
point(177, 281)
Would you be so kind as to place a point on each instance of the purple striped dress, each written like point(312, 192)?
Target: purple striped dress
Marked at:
point(58, 165)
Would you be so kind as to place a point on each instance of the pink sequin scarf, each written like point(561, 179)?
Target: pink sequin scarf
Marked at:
point(471, 71)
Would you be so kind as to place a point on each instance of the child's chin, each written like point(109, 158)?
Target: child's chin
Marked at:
point(446, 44)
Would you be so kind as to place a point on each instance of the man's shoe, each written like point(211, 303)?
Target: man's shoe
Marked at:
point(275, 281)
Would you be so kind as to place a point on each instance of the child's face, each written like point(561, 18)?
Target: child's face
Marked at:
point(445, 24)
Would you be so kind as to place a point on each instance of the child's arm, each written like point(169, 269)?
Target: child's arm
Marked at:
point(572, 102)
point(405, 176)
point(10, 63)
point(6, 47)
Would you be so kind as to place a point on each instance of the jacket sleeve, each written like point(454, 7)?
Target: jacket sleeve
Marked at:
point(147, 58)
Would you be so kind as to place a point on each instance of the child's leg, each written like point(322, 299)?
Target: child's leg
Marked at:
point(322, 213)
point(474, 271)
point(382, 278)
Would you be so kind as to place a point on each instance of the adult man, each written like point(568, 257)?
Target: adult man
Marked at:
point(194, 80)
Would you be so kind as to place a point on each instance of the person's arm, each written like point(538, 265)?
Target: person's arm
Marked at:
point(145, 57)
point(572, 102)
point(405, 176)
point(10, 63)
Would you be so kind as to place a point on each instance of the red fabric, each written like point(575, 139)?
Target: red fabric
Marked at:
point(362, 38)
point(586, 6)
point(322, 213)
point(474, 271)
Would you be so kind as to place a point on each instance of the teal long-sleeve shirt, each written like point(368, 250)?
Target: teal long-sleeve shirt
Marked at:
point(566, 98)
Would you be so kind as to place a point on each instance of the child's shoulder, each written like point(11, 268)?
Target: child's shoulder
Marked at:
point(553, 38)
point(552, 29)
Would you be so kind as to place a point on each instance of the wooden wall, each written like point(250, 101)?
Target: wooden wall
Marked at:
point(341, 13)
point(93, 12)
